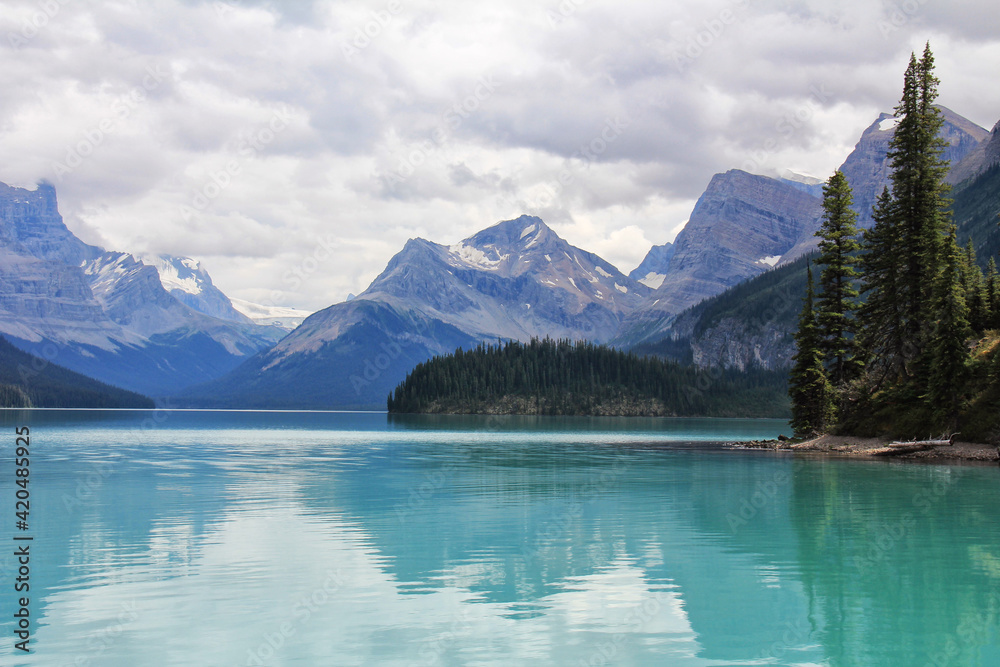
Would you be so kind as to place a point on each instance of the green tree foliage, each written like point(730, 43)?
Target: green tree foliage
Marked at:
point(949, 350)
point(12, 396)
point(581, 378)
point(880, 319)
point(975, 289)
point(29, 381)
point(920, 212)
point(923, 331)
point(993, 292)
point(809, 387)
point(838, 292)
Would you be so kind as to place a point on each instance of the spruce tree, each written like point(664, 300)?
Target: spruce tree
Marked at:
point(880, 318)
point(809, 387)
point(920, 207)
point(993, 292)
point(837, 302)
point(949, 350)
point(976, 292)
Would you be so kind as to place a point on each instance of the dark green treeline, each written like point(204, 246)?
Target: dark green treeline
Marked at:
point(582, 378)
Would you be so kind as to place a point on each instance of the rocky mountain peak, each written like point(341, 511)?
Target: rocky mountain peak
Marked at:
point(30, 224)
point(742, 225)
point(653, 268)
point(519, 233)
point(868, 170)
point(189, 282)
point(981, 158)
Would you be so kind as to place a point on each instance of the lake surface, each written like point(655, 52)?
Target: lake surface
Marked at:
point(243, 538)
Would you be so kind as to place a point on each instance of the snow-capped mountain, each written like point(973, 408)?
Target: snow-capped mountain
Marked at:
point(104, 314)
point(188, 282)
point(515, 280)
point(282, 317)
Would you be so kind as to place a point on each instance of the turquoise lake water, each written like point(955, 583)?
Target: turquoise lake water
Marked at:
point(244, 538)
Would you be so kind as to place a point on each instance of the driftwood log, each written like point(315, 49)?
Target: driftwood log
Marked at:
point(900, 448)
point(928, 443)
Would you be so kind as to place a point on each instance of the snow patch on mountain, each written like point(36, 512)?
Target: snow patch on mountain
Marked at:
point(473, 256)
point(770, 260)
point(279, 316)
point(528, 230)
point(180, 273)
point(602, 272)
point(653, 280)
point(888, 124)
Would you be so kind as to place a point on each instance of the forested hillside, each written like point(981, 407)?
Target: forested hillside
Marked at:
point(27, 381)
point(565, 378)
point(748, 325)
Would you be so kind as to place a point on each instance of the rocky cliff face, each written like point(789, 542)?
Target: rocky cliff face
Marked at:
point(105, 315)
point(743, 225)
point(42, 301)
point(978, 160)
point(517, 279)
point(30, 224)
point(749, 325)
point(187, 281)
point(653, 268)
point(728, 344)
point(867, 167)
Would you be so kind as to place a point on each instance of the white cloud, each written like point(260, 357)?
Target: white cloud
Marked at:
point(487, 105)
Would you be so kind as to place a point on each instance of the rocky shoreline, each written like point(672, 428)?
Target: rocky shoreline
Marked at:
point(874, 448)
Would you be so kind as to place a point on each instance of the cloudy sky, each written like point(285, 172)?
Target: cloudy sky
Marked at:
point(293, 147)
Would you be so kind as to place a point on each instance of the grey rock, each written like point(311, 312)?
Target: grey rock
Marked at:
point(515, 280)
point(867, 168)
point(743, 225)
point(978, 160)
point(105, 315)
point(30, 224)
point(653, 268)
point(189, 282)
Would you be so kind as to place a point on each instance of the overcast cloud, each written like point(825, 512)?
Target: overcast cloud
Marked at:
point(256, 135)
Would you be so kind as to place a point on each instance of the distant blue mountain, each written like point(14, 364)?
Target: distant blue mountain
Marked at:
point(105, 314)
point(515, 280)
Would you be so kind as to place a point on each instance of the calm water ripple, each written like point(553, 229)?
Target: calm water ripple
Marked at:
point(242, 538)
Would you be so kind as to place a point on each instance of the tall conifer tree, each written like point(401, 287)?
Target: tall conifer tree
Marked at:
point(920, 207)
point(976, 291)
point(949, 350)
point(993, 292)
point(838, 291)
point(880, 318)
point(809, 387)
